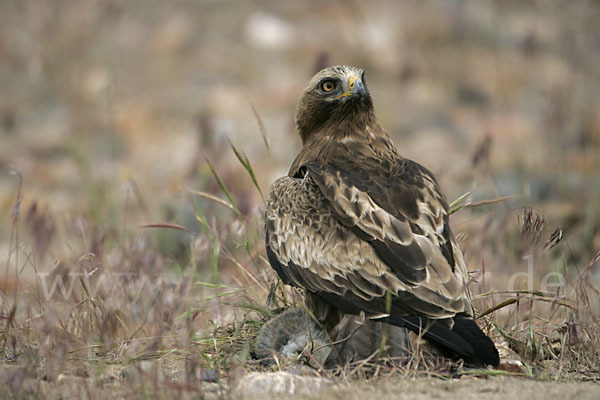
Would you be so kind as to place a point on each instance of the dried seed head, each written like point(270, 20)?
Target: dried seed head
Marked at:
point(532, 224)
point(553, 239)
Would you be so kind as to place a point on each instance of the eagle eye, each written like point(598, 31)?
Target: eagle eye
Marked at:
point(328, 85)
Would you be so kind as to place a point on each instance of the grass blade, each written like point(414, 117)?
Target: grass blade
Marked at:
point(212, 285)
point(254, 307)
point(490, 201)
point(261, 127)
point(455, 205)
point(538, 293)
point(246, 163)
point(214, 256)
point(213, 198)
point(224, 188)
point(170, 226)
point(499, 306)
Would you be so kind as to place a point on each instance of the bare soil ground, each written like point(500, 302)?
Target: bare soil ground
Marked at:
point(472, 389)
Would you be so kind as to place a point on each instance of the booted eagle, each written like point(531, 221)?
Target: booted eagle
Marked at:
point(365, 231)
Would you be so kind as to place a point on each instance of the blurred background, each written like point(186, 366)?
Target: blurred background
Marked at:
point(112, 110)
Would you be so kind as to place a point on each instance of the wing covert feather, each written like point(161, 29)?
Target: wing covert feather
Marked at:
point(316, 251)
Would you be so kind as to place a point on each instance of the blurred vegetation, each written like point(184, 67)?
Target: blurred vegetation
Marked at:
point(116, 114)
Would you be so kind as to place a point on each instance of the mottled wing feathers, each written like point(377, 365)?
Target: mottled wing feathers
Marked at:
point(326, 235)
point(389, 233)
point(401, 313)
point(309, 248)
point(416, 245)
point(350, 247)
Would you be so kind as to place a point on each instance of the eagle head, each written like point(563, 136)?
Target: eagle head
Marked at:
point(335, 97)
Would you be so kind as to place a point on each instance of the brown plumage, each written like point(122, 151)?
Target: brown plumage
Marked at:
point(364, 230)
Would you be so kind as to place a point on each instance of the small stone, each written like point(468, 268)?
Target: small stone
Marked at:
point(284, 383)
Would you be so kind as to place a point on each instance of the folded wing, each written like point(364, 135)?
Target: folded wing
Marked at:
point(363, 247)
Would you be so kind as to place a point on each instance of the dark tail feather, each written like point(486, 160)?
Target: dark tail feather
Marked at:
point(436, 331)
point(466, 327)
point(465, 338)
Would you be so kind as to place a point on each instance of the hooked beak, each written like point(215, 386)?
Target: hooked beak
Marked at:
point(357, 88)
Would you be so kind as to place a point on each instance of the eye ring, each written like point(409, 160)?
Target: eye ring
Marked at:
point(328, 85)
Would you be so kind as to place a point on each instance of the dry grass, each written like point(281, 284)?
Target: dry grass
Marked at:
point(129, 321)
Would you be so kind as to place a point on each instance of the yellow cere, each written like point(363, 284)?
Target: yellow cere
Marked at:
point(351, 82)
